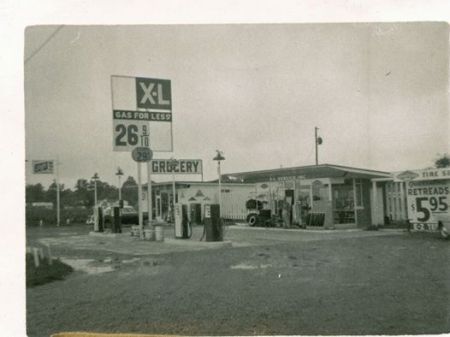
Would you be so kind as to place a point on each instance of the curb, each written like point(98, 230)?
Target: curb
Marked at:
point(297, 230)
point(200, 244)
point(105, 235)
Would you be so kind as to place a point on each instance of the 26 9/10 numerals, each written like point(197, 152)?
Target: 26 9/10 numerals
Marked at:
point(130, 135)
point(436, 204)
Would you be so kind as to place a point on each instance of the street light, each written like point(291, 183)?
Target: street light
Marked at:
point(219, 157)
point(95, 178)
point(119, 175)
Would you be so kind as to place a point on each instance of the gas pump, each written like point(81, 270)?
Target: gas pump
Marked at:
point(98, 216)
point(182, 226)
point(213, 224)
point(116, 223)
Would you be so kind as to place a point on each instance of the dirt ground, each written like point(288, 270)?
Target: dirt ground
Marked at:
point(269, 282)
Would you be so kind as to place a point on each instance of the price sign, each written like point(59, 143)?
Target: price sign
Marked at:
point(142, 113)
point(426, 199)
point(142, 154)
point(127, 135)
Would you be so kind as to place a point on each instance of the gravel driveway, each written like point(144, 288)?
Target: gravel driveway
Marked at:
point(394, 283)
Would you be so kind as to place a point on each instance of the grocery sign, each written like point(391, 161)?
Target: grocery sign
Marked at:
point(142, 113)
point(427, 194)
point(181, 166)
point(42, 166)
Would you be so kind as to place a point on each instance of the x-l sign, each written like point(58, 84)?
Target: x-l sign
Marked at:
point(153, 93)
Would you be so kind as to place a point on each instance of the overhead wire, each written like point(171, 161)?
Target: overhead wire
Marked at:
point(43, 44)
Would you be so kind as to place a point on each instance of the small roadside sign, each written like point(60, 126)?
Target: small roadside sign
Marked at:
point(42, 166)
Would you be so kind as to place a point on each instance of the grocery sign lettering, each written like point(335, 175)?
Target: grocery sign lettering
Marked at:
point(183, 166)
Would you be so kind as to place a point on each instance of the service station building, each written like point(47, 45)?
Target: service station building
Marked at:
point(327, 196)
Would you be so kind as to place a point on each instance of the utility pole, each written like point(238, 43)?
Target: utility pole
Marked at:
point(317, 141)
point(95, 177)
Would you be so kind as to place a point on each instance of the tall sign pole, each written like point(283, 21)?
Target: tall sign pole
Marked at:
point(141, 155)
point(138, 102)
point(149, 192)
point(141, 224)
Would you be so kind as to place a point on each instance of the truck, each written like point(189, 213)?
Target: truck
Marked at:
point(258, 215)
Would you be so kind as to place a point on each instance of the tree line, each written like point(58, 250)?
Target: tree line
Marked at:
point(82, 194)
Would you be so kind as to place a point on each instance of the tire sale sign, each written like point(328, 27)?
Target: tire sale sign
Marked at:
point(425, 200)
point(129, 134)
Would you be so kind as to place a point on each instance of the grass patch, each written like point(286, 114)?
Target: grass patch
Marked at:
point(45, 272)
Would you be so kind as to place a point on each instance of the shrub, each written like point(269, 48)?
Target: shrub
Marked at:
point(45, 272)
point(33, 215)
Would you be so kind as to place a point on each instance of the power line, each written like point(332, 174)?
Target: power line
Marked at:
point(44, 43)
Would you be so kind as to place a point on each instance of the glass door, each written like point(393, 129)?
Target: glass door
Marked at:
point(344, 203)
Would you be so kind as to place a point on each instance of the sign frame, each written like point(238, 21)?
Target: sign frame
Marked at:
point(139, 114)
point(49, 169)
point(427, 196)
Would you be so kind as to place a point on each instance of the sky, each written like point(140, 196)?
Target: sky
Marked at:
point(377, 92)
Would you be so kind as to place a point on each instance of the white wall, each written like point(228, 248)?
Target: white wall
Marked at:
point(234, 198)
point(377, 212)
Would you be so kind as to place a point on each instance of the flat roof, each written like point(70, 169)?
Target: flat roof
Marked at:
point(197, 183)
point(308, 172)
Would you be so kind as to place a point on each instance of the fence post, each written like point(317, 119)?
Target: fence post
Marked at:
point(50, 258)
point(36, 257)
point(41, 253)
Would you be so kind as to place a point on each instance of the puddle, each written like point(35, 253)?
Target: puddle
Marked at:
point(245, 266)
point(66, 233)
point(86, 265)
point(135, 259)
